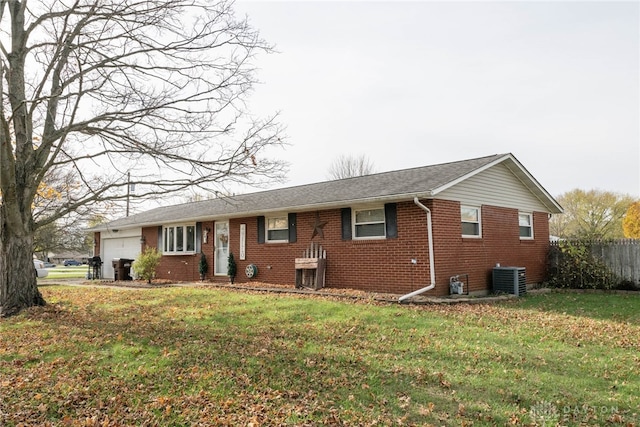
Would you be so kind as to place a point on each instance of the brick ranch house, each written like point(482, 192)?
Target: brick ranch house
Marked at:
point(377, 230)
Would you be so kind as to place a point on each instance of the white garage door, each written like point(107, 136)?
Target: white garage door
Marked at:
point(123, 247)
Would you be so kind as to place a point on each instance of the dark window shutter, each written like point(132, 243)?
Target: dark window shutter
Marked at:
point(346, 223)
point(293, 234)
point(261, 230)
point(391, 220)
point(160, 241)
point(198, 237)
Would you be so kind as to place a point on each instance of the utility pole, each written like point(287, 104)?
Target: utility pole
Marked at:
point(128, 190)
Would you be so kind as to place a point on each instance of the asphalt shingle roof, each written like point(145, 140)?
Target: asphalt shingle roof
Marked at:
point(395, 185)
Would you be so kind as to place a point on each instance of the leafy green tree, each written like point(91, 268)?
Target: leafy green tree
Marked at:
point(111, 94)
point(146, 264)
point(593, 214)
point(631, 221)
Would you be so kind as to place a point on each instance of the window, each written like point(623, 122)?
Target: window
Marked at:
point(369, 223)
point(470, 221)
point(278, 229)
point(525, 221)
point(179, 239)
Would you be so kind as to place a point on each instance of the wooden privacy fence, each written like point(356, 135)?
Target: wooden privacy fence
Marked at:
point(621, 257)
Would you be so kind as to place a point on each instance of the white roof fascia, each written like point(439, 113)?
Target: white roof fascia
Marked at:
point(342, 203)
point(298, 208)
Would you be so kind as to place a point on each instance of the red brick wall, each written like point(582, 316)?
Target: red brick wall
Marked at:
point(96, 244)
point(375, 265)
point(500, 243)
point(182, 267)
point(383, 265)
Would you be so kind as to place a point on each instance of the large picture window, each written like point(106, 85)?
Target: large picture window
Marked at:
point(179, 239)
point(525, 222)
point(369, 223)
point(278, 229)
point(471, 226)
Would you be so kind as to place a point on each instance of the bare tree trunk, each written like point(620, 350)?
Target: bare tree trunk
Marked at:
point(93, 91)
point(18, 285)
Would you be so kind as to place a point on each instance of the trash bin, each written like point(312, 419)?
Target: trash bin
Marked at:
point(126, 268)
point(121, 268)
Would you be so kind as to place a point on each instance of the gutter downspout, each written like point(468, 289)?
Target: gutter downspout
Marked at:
point(432, 271)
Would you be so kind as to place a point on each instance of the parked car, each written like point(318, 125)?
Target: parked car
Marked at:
point(49, 265)
point(71, 262)
point(41, 271)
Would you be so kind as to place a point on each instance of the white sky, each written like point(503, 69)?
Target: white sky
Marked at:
point(417, 83)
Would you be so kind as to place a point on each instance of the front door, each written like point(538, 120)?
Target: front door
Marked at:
point(221, 248)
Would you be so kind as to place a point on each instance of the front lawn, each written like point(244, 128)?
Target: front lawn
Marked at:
point(70, 272)
point(196, 356)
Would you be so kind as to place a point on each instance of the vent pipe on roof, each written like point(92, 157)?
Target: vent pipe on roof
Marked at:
point(432, 271)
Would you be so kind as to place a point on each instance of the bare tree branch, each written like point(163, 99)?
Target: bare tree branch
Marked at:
point(350, 166)
point(94, 91)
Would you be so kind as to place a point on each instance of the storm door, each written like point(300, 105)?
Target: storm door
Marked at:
point(221, 248)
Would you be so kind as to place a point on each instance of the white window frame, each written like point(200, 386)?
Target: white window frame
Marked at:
point(267, 228)
point(171, 248)
point(479, 222)
point(529, 215)
point(355, 224)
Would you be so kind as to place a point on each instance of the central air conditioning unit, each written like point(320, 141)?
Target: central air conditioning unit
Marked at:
point(509, 280)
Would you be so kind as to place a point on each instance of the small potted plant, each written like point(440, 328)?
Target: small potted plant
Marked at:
point(203, 266)
point(232, 269)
